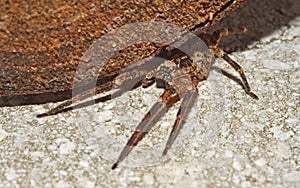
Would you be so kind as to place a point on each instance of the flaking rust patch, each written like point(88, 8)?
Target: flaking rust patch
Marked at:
point(41, 44)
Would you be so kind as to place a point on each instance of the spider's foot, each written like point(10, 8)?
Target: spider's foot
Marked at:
point(49, 113)
point(253, 95)
point(115, 166)
point(43, 115)
point(166, 150)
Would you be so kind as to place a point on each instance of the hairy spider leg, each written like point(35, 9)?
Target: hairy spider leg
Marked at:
point(166, 100)
point(213, 43)
point(187, 102)
point(182, 113)
point(186, 86)
point(136, 71)
point(123, 82)
point(77, 98)
point(91, 102)
point(240, 70)
point(228, 75)
point(221, 54)
point(175, 79)
point(108, 97)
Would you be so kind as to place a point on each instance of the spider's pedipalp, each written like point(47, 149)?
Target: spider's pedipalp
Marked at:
point(214, 39)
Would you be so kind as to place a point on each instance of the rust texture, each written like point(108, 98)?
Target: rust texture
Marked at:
point(41, 43)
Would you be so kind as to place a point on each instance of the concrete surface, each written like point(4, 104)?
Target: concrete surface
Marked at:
point(229, 140)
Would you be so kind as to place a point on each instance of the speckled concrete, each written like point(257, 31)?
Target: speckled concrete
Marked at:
point(229, 140)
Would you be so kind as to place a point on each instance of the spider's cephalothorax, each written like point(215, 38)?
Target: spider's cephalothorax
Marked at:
point(178, 75)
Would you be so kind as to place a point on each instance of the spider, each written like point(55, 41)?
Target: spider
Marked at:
point(178, 74)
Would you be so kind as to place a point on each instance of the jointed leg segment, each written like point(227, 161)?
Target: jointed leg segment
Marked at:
point(216, 37)
point(125, 81)
point(182, 114)
point(240, 70)
point(166, 100)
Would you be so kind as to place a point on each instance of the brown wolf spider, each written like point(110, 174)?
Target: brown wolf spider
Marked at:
point(177, 74)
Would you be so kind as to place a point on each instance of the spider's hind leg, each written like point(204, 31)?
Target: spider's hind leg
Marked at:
point(213, 44)
point(221, 54)
point(240, 70)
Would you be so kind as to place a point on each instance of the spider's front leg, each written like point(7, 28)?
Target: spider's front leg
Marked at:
point(185, 107)
point(166, 100)
point(173, 78)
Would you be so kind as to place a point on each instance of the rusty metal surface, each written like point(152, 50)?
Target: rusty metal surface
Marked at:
point(42, 43)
